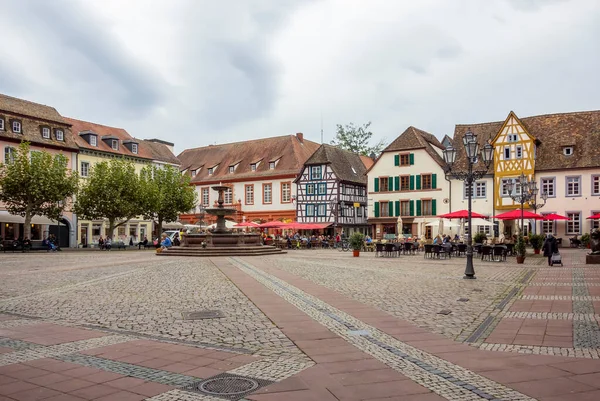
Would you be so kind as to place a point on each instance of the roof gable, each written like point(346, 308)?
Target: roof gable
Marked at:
point(511, 119)
point(347, 166)
point(413, 138)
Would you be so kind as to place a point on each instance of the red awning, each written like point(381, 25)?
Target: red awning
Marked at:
point(461, 214)
point(596, 216)
point(554, 216)
point(246, 224)
point(516, 214)
point(273, 224)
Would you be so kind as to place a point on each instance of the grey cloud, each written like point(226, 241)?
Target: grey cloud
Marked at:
point(533, 5)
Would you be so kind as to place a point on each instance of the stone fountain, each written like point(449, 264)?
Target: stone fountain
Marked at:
point(221, 241)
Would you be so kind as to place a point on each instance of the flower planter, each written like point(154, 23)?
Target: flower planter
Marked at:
point(536, 251)
point(520, 259)
point(355, 253)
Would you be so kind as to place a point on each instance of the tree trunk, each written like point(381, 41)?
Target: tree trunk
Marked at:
point(27, 226)
point(111, 228)
point(159, 227)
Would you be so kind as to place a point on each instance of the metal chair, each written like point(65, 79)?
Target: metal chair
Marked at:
point(379, 249)
point(390, 249)
point(461, 249)
point(428, 251)
point(499, 253)
point(486, 252)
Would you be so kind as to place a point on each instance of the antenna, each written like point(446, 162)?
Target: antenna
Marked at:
point(321, 128)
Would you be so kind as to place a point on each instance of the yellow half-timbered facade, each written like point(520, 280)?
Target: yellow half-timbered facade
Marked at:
point(514, 153)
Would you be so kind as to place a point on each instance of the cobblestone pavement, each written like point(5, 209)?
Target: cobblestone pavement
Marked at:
point(319, 324)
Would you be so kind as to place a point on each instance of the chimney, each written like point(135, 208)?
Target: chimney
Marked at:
point(300, 136)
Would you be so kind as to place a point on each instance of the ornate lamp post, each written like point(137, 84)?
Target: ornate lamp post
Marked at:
point(534, 205)
point(469, 177)
point(524, 191)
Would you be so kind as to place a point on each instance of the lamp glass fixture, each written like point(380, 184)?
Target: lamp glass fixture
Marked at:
point(449, 155)
point(472, 149)
point(487, 154)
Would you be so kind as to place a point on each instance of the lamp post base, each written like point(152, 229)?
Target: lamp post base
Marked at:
point(469, 277)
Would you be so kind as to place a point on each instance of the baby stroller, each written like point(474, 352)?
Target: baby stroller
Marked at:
point(556, 259)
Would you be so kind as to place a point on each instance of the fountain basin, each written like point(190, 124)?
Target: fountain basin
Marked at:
point(216, 240)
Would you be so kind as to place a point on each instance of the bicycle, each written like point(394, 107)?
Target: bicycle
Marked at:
point(344, 246)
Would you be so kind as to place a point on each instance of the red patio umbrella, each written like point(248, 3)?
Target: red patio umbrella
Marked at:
point(246, 224)
point(273, 224)
point(516, 214)
point(461, 214)
point(554, 216)
point(596, 216)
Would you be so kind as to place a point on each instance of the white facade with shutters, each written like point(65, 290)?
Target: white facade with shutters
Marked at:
point(406, 190)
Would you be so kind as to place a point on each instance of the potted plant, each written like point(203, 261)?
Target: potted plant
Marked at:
point(479, 238)
point(536, 241)
point(356, 242)
point(585, 240)
point(520, 249)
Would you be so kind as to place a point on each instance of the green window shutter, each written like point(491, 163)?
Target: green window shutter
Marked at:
point(412, 207)
point(433, 208)
point(418, 182)
point(418, 207)
point(397, 183)
point(397, 209)
point(391, 209)
point(396, 160)
point(390, 184)
point(376, 184)
point(376, 209)
point(412, 159)
point(412, 182)
point(434, 181)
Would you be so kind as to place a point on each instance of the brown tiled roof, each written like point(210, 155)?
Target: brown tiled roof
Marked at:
point(552, 131)
point(159, 151)
point(341, 162)
point(414, 138)
point(367, 161)
point(291, 150)
point(447, 139)
point(104, 131)
point(32, 117)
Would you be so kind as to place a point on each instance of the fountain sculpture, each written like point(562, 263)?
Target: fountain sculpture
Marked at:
point(221, 241)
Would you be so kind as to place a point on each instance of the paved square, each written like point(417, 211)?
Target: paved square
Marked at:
point(319, 324)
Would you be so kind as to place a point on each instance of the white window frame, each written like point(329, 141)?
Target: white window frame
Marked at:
point(60, 135)
point(17, 127)
point(519, 152)
point(286, 192)
point(568, 151)
point(93, 140)
point(1, 124)
point(211, 170)
point(228, 196)
point(507, 153)
point(595, 185)
point(268, 193)
point(85, 169)
point(114, 144)
point(481, 189)
point(573, 222)
point(572, 183)
point(231, 169)
point(548, 185)
point(253, 166)
point(595, 223)
point(310, 210)
point(322, 210)
point(513, 137)
point(314, 170)
point(548, 226)
point(193, 173)
point(249, 194)
point(134, 148)
point(46, 132)
point(271, 165)
point(205, 195)
point(9, 154)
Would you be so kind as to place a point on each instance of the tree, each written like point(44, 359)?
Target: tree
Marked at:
point(167, 194)
point(356, 139)
point(36, 184)
point(112, 192)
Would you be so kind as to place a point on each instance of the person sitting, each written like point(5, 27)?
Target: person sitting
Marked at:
point(166, 242)
point(101, 242)
point(108, 244)
point(26, 244)
point(176, 241)
point(368, 239)
point(143, 243)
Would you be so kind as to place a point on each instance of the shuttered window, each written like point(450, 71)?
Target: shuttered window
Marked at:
point(412, 182)
point(434, 181)
point(396, 160)
point(396, 183)
point(397, 204)
point(418, 207)
point(412, 159)
point(412, 207)
point(418, 182)
point(376, 209)
point(376, 184)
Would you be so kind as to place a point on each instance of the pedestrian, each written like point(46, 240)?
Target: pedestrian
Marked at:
point(550, 246)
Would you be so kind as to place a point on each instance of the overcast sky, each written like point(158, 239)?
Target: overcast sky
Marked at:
point(196, 72)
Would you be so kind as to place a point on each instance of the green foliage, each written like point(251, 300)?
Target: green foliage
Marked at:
point(585, 239)
point(520, 249)
point(167, 193)
point(479, 238)
point(356, 241)
point(356, 139)
point(112, 191)
point(536, 241)
point(36, 183)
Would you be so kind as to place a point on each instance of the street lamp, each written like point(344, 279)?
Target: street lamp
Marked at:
point(469, 177)
point(533, 203)
point(524, 191)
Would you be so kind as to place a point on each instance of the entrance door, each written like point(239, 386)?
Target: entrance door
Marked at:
point(62, 234)
point(83, 232)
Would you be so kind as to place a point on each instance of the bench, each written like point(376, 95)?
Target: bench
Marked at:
point(36, 245)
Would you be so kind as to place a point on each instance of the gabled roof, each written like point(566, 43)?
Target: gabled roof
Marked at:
point(293, 151)
point(413, 138)
point(552, 132)
point(104, 131)
point(341, 162)
point(446, 141)
point(160, 151)
point(32, 116)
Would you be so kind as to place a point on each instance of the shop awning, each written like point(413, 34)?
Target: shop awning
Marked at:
point(11, 218)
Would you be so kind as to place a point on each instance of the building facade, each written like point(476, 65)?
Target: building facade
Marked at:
point(332, 190)
point(406, 186)
point(260, 175)
point(559, 151)
point(44, 128)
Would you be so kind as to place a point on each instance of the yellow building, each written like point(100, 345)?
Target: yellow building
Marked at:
point(100, 143)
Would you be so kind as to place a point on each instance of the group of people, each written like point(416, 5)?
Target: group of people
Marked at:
point(105, 244)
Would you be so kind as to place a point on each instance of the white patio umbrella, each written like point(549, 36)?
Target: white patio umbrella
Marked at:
point(228, 224)
point(481, 222)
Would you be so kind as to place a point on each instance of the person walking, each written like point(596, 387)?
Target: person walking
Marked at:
point(550, 246)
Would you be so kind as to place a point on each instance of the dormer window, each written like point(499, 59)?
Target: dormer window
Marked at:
point(231, 169)
point(253, 167)
point(568, 151)
point(353, 170)
point(271, 165)
point(193, 173)
point(46, 132)
point(134, 148)
point(1, 124)
point(59, 134)
point(16, 127)
point(93, 140)
point(211, 170)
point(114, 144)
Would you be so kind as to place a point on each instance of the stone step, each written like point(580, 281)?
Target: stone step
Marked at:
point(214, 254)
point(221, 251)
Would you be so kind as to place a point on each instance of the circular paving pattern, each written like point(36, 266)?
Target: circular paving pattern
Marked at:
point(228, 385)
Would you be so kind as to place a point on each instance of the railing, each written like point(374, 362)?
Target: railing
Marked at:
point(353, 198)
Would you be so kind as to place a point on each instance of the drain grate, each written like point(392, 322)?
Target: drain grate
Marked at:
point(203, 314)
point(227, 386)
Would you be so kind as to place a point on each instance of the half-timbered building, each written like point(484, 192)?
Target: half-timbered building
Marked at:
point(559, 151)
point(406, 186)
point(332, 190)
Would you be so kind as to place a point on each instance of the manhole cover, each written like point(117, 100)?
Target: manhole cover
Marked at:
point(445, 312)
point(463, 299)
point(205, 314)
point(227, 386)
